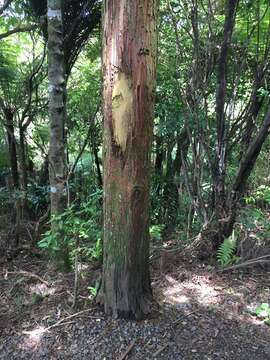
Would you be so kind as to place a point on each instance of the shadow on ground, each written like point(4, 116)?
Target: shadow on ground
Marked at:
point(201, 315)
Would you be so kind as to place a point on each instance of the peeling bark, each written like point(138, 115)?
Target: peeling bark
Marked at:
point(129, 68)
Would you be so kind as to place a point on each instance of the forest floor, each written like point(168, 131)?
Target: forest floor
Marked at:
point(201, 314)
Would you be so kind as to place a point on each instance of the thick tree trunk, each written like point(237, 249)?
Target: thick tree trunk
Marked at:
point(57, 158)
point(129, 63)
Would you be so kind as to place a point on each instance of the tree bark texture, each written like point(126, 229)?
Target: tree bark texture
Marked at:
point(220, 101)
point(221, 143)
point(57, 157)
point(129, 68)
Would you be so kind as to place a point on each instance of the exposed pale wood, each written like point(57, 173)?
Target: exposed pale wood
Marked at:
point(129, 70)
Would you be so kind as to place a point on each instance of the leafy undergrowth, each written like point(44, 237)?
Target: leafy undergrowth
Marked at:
point(201, 314)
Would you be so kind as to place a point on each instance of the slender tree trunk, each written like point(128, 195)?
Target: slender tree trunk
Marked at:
point(99, 174)
point(23, 160)
point(9, 114)
point(256, 104)
point(129, 63)
point(249, 158)
point(43, 178)
point(170, 194)
point(159, 165)
point(244, 170)
point(183, 143)
point(57, 157)
point(12, 148)
point(159, 155)
point(221, 145)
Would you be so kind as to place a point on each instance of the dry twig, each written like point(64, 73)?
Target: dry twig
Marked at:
point(125, 354)
point(184, 316)
point(259, 260)
point(160, 350)
point(64, 321)
point(28, 274)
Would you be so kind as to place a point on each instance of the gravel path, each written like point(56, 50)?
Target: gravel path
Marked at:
point(200, 316)
point(194, 335)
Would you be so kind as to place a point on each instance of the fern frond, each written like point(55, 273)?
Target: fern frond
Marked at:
point(225, 253)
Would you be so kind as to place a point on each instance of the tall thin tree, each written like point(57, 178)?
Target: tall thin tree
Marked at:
point(57, 158)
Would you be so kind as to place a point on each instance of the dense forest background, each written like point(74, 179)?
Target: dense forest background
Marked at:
point(135, 173)
point(210, 152)
point(210, 156)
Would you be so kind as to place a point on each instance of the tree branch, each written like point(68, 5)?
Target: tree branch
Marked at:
point(30, 92)
point(84, 144)
point(18, 30)
point(76, 21)
point(251, 155)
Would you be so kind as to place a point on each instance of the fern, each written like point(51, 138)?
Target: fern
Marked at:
point(225, 253)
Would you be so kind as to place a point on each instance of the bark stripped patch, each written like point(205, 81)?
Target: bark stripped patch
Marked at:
point(122, 109)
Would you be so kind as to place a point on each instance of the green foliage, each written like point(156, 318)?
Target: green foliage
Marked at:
point(81, 223)
point(94, 252)
point(255, 220)
point(262, 193)
point(156, 232)
point(226, 251)
point(93, 290)
point(263, 312)
point(80, 230)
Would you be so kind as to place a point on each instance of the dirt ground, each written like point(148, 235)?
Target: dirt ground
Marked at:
point(199, 314)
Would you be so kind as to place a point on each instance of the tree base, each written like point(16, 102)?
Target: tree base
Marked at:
point(138, 308)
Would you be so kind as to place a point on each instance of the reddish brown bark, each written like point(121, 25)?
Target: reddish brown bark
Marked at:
point(129, 66)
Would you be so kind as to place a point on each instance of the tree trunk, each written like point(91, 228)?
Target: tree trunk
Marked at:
point(43, 178)
point(249, 158)
point(23, 161)
point(129, 63)
point(221, 144)
point(159, 155)
point(170, 195)
point(12, 147)
point(9, 115)
point(57, 158)
point(98, 169)
point(159, 165)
